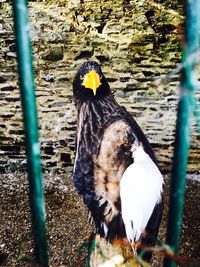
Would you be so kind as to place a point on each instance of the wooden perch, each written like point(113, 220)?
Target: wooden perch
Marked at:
point(105, 254)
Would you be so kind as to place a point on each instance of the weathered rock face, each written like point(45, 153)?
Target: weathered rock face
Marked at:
point(135, 41)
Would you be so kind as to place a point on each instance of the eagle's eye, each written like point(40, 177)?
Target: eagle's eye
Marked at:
point(82, 77)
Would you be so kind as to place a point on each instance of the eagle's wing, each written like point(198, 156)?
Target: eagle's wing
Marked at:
point(101, 160)
point(97, 176)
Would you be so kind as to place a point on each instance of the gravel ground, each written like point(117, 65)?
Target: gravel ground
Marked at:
point(67, 221)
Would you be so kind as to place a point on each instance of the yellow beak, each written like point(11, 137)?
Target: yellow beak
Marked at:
point(92, 81)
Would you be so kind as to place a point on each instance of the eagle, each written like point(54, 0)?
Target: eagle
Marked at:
point(113, 156)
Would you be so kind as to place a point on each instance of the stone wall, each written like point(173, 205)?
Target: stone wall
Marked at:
point(135, 41)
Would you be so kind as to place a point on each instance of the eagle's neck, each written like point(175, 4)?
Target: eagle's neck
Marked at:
point(97, 108)
point(93, 117)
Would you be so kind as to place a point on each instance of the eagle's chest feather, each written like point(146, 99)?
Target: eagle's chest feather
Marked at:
point(113, 158)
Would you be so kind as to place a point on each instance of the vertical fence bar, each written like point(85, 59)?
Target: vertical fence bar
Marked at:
point(22, 33)
point(183, 124)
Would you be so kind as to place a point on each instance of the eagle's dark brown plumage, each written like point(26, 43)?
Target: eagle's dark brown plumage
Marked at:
point(106, 132)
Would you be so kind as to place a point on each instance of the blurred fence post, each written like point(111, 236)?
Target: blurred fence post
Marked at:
point(25, 69)
point(183, 124)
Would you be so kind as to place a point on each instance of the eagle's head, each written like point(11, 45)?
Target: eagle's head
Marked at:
point(90, 82)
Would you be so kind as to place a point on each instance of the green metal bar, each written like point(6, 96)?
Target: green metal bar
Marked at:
point(22, 32)
point(183, 124)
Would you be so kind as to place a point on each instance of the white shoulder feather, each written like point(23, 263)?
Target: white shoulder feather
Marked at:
point(140, 190)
